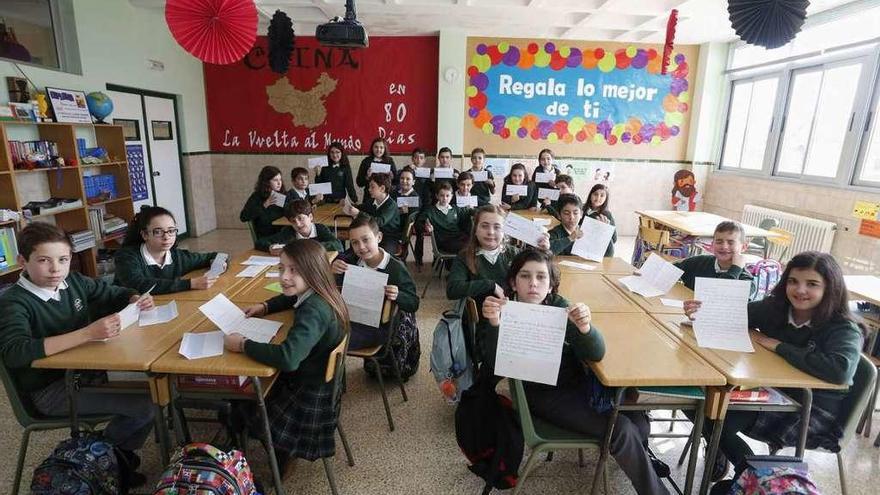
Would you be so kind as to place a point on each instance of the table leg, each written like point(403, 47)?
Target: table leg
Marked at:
point(270, 448)
point(164, 443)
point(806, 406)
point(696, 434)
point(70, 384)
point(606, 445)
point(716, 410)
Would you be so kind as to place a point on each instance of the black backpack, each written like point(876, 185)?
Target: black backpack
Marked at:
point(407, 349)
point(489, 435)
point(84, 464)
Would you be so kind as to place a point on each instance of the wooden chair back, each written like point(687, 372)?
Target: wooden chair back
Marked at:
point(655, 238)
point(335, 360)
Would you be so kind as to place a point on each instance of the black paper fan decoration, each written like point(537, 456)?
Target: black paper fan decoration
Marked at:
point(280, 42)
point(767, 23)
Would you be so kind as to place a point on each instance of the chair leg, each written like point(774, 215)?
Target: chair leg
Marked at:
point(605, 477)
point(397, 374)
point(684, 451)
point(384, 396)
point(549, 457)
point(530, 464)
point(841, 468)
point(345, 444)
point(672, 423)
point(877, 441)
point(580, 457)
point(22, 453)
point(331, 478)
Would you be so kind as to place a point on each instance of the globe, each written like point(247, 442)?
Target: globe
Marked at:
point(100, 105)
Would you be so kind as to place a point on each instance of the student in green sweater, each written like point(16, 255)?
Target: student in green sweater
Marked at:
point(365, 238)
point(301, 414)
point(50, 310)
point(444, 161)
point(482, 189)
point(380, 206)
point(517, 201)
point(449, 223)
point(338, 174)
point(807, 322)
point(565, 184)
point(150, 257)
point(379, 153)
point(407, 189)
point(597, 209)
point(564, 235)
point(299, 185)
point(463, 197)
point(546, 166)
point(569, 403)
point(302, 226)
point(260, 210)
point(728, 243)
point(417, 160)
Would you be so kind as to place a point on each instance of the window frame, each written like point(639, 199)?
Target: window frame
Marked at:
point(63, 22)
point(753, 79)
point(871, 120)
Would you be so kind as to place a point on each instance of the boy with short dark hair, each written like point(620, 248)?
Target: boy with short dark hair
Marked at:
point(564, 235)
point(302, 226)
point(728, 243)
point(299, 188)
point(565, 184)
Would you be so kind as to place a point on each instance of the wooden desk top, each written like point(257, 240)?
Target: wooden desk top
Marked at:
point(531, 215)
point(255, 291)
point(134, 350)
point(608, 265)
point(653, 305)
point(746, 369)
point(697, 223)
point(640, 352)
point(230, 363)
point(322, 214)
point(597, 292)
point(864, 288)
point(227, 283)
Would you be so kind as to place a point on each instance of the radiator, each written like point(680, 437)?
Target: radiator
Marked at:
point(809, 234)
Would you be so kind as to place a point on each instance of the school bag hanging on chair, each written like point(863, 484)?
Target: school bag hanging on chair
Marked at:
point(202, 469)
point(766, 273)
point(450, 363)
point(85, 464)
point(407, 350)
point(774, 475)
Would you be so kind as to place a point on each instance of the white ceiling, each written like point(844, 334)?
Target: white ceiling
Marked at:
point(700, 21)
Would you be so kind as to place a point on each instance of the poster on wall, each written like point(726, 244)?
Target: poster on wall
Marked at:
point(137, 173)
point(598, 99)
point(328, 94)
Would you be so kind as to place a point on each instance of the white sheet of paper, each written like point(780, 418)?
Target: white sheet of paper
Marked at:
point(545, 177)
point(498, 166)
point(320, 188)
point(423, 173)
point(250, 271)
point(159, 314)
point(544, 222)
point(262, 260)
point(466, 201)
point(548, 193)
point(593, 244)
point(657, 277)
point(673, 303)
point(579, 266)
point(218, 266)
point(481, 176)
point(278, 199)
point(201, 345)
point(410, 201)
point(722, 321)
point(523, 229)
point(230, 319)
point(443, 172)
point(363, 291)
point(128, 316)
point(273, 274)
point(512, 190)
point(258, 329)
point(318, 162)
point(380, 168)
point(530, 340)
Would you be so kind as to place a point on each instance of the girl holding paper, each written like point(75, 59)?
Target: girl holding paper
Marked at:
point(576, 402)
point(338, 174)
point(806, 321)
point(519, 200)
point(449, 223)
point(597, 208)
point(149, 256)
point(545, 166)
point(482, 189)
point(379, 153)
point(301, 414)
point(262, 208)
point(380, 206)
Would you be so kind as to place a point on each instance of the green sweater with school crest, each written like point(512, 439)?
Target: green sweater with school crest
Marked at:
point(560, 243)
point(525, 201)
point(133, 271)
point(449, 225)
point(463, 283)
point(323, 235)
point(703, 265)
point(340, 180)
point(483, 190)
point(28, 320)
point(386, 215)
point(261, 217)
point(407, 295)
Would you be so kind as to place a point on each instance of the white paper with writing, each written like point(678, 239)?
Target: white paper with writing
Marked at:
point(230, 319)
point(320, 188)
point(380, 168)
point(443, 173)
point(593, 244)
point(262, 260)
point(159, 314)
point(466, 201)
point(579, 266)
point(278, 199)
point(250, 271)
point(423, 173)
point(201, 345)
point(363, 291)
point(548, 193)
point(512, 190)
point(530, 339)
point(673, 303)
point(722, 321)
point(498, 166)
point(318, 162)
point(544, 222)
point(480, 176)
point(545, 177)
point(523, 229)
point(218, 266)
point(657, 276)
point(410, 201)
point(128, 316)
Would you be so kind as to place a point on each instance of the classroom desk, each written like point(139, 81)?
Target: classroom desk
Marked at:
point(227, 283)
point(609, 265)
point(228, 364)
point(762, 368)
point(697, 223)
point(864, 288)
point(597, 292)
point(255, 290)
point(323, 214)
point(532, 215)
point(653, 305)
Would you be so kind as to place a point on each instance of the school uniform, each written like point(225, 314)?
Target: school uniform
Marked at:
point(136, 269)
point(295, 194)
point(407, 297)
point(525, 201)
point(30, 315)
point(706, 266)
point(571, 404)
point(300, 408)
point(595, 215)
point(434, 185)
point(387, 216)
point(320, 233)
point(261, 217)
point(483, 190)
point(560, 242)
point(341, 182)
point(491, 267)
point(364, 167)
point(553, 169)
point(452, 226)
point(410, 216)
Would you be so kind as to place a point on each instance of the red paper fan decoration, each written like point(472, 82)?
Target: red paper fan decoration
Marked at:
point(214, 31)
point(670, 39)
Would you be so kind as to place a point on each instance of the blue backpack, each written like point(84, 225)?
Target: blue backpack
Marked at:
point(85, 464)
point(450, 363)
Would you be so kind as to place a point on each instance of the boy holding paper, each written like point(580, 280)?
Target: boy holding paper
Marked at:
point(564, 235)
point(299, 188)
point(380, 206)
point(565, 184)
point(50, 310)
point(450, 224)
point(484, 181)
point(302, 226)
point(575, 402)
point(462, 197)
point(728, 243)
point(443, 171)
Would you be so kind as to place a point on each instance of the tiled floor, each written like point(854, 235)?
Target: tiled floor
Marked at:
point(421, 456)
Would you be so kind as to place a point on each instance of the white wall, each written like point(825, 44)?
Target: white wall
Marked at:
point(709, 101)
point(450, 95)
point(115, 41)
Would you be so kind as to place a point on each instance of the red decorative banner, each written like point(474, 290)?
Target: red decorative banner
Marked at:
point(328, 94)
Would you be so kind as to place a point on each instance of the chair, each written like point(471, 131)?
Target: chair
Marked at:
point(652, 240)
point(403, 247)
point(390, 318)
point(340, 229)
point(759, 245)
point(336, 372)
point(32, 421)
point(472, 317)
point(252, 232)
point(778, 246)
point(541, 436)
point(440, 259)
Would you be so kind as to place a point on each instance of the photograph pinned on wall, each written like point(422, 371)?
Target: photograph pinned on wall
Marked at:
point(498, 166)
point(603, 173)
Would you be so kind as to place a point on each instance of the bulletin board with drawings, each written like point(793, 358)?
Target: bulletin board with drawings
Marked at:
point(137, 172)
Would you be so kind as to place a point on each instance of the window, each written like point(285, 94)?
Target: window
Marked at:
point(39, 32)
point(870, 162)
point(748, 123)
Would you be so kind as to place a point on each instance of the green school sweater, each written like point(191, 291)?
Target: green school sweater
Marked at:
point(560, 244)
point(387, 216)
point(483, 190)
point(610, 251)
point(260, 217)
point(133, 271)
point(28, 320)
point(704, 266)
point(339, 177)
point(407, 296)
point(412, 213)
point(577, 349)
point(462, 283)
point(324, 236)
point(314, 334)
point(525, 202)
point(451, 225)
point(553, 168)
point(829, 351)
point(364, 167)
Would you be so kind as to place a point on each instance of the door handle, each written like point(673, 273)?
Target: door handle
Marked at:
point(157, 174)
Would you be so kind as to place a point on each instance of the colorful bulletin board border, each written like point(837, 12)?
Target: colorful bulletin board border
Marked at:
point(599, 99)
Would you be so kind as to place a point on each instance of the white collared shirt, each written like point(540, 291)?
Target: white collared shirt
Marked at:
point(43, 293)
point(302, 193)
point(152, 261)
point(312, 234)
point(443, 210)
point(491, 256)
point(590, 211)
point(301, 299)
point(377, 205)
point(792, 323)
point(386, 258)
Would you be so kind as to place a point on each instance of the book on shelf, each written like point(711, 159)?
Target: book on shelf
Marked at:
point(213, 381)
point(82, 240)
point(24, 154)
point(8, 248)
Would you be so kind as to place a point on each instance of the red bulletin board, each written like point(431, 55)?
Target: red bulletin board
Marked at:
point(329, 94)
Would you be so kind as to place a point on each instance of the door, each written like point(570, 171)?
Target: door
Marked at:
point(128, 111)
point(162, 140)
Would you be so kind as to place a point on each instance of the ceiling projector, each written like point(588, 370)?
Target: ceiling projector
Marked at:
point(345, 32)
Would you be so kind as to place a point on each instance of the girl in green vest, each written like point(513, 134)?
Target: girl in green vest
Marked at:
point(260, 209)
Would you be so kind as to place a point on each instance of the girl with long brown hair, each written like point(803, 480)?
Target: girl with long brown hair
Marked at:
point(260, 209)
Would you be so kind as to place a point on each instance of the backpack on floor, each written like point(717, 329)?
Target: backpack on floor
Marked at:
point(85, 464)
point(767, 273)
point(774, 475)
point(405, 343)
point(450, 363)
point(202, 469)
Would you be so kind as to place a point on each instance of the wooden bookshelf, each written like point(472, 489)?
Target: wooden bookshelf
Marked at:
point(68, 181)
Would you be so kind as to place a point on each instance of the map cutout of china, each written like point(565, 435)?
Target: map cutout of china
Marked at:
point(306, 107)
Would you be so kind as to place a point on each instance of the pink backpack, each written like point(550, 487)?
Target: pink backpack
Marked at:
point(767, 273)
point(202, 469)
